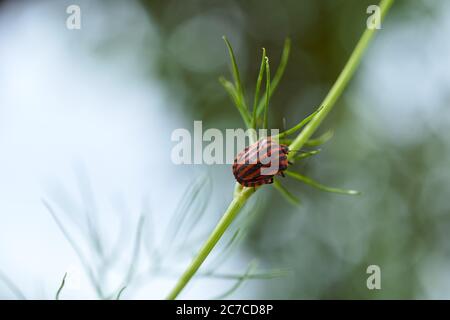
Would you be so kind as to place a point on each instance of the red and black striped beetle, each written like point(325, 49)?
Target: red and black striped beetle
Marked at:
point(251, 168)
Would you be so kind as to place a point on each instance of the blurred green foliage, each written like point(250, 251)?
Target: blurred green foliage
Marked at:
point(399, 223)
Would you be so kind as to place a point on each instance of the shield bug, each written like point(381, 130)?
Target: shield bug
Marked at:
point(260, 162)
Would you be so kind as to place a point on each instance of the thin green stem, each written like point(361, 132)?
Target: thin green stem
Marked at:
point(119, 294)
point(323, 138)
point(266, 105)
point(258, 87)
point(340, 83)
point(286, 193)
point(229, 87)
point(237, 77)
point(228, 217)
point(61, 286)
point(320, 186)
point(278, 75)
point(238, 84)
point(242, 195)
point(298, 126)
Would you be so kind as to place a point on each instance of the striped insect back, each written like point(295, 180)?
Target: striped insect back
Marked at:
point(260, 162)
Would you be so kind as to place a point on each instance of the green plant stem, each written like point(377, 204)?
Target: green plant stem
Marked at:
point(266, 106)
point(257, 88)
point(228, 217)
point(61, 286)
point(340, 83)
point(242, 196)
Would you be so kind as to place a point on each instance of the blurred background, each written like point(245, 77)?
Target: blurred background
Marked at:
point(87, 187)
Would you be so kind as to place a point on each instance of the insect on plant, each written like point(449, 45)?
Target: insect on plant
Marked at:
point(259, 163)
point(249, 176)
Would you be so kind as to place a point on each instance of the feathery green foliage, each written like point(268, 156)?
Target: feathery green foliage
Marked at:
point(319, 186)
point(286, 193)
point(278, 75)
point(241, 195)
point(323, 138)
point(306, 154)
point(257, 89)
point(266, 101)
point(239, 282)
